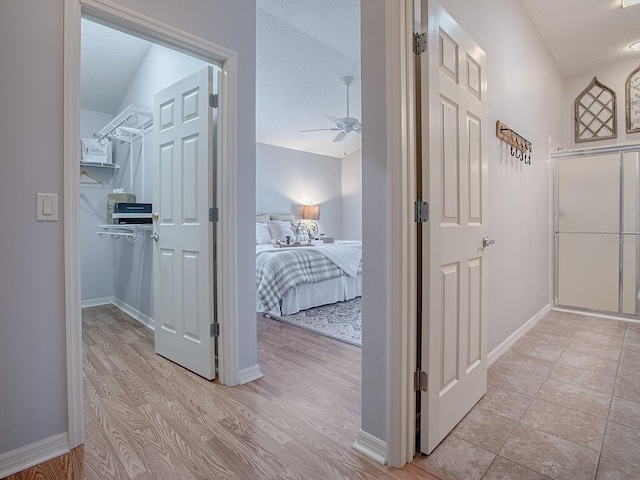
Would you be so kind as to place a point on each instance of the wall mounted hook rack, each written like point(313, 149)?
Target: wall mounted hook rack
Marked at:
point(521, 148)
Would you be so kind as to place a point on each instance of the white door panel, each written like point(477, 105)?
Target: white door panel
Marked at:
point(454, 131)
point(183, 193)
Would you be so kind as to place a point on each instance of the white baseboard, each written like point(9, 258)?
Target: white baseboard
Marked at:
point(250, 374)
point(24, 457)
point(372, 447)
point(96, 302)
point(508, 343)
point(135, 314)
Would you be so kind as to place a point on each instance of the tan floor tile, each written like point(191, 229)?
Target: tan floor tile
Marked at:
point(594, 350)
point(572, 425)
point(604, 326)
point(625, 412)
point(622, 443)
point(549, 455)
point(605, 339)
point(585, 359)
point(522, 364)
point(546, 340)
point(484, 429)
point(458, 459)
point(627, 383)
point(508, 403)
point(630, 344)
point(538, 348)
point(613, 469)
point(630, 356)
point(525, 384)
point(576, 397)
point(503, 469)
point(570, 371)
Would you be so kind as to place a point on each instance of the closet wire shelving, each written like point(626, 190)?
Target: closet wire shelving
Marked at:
point(128, 126)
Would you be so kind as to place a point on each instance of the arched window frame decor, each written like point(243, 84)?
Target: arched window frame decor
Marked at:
point(589, 125)
point(632, 101)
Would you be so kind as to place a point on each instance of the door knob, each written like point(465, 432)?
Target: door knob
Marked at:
point(155, 216)
point(155, 236)
point(486, 242)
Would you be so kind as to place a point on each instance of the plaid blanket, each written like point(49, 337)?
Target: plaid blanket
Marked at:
point(278, 271)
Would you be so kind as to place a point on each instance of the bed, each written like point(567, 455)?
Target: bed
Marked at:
point(292, 279)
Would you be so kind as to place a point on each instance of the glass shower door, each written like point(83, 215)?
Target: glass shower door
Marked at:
point(597, 233)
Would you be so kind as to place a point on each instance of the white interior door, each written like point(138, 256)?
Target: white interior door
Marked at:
point(183, 192)
point(454, 165)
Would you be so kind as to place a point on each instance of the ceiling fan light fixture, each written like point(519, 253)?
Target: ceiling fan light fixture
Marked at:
point(629, 3)
point(635, 45)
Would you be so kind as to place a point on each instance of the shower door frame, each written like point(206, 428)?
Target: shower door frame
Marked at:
point(556, 158)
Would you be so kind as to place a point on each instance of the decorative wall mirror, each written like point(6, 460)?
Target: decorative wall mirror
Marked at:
point(632, 103)
point(595, 113)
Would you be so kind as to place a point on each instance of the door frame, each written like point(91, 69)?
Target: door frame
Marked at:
point(402, 157)
point(227, 294)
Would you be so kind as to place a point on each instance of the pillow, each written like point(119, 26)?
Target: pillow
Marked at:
point(262, 218)
point(263, 234)
point(283, 216)
point(280, 230)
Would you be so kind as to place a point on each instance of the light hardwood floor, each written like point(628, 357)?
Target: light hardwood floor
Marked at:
point(147, 418)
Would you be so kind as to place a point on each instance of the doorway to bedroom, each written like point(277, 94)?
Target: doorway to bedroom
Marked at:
point(309, 183)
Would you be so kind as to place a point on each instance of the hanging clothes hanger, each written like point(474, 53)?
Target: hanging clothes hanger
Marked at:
point(87, 174)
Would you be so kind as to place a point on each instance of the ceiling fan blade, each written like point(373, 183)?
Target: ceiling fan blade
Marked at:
point(337, 121)
point(340, 136)
point(320, 129)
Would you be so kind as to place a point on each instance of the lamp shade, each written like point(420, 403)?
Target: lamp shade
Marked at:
point(311, 212)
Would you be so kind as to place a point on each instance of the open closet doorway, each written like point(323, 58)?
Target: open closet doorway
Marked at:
point(148, 123)
point(309, 193)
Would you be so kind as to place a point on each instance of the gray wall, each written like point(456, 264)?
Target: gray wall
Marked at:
point(374, 221)
point(287, 179)
point(32, 316)
point(352, 196)
point(96, 254)
point(33, 398)
point(527, 99)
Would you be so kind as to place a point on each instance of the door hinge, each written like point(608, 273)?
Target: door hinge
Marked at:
point(421, 211)
point(420, 381)
point(213, 100)
point(419, 43)
point(213, 214)
point(214, 330)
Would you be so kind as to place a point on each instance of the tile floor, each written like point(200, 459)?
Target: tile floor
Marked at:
point(562, 403)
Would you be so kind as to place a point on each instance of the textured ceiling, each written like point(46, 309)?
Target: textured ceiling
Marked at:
point(109, 61)
point(304, 48)
point(586, 34)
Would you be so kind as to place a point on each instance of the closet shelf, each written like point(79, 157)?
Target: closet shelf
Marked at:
point(128, 125)
point(131, 232)
point(99, 164)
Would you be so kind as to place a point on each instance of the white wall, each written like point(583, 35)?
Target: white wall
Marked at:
point(287, 179)
point(352, 196)
point(527, 99)
point(96, 254)
point(613, 77)
point(32, 318)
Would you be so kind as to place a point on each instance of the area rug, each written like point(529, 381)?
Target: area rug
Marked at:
point(342, 320)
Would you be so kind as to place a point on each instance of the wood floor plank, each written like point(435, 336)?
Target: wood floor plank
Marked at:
point(148, 418)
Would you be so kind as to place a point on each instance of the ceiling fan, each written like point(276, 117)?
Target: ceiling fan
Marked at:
point(344, 125)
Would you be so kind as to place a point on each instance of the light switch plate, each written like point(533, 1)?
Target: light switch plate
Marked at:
point(46, 207)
